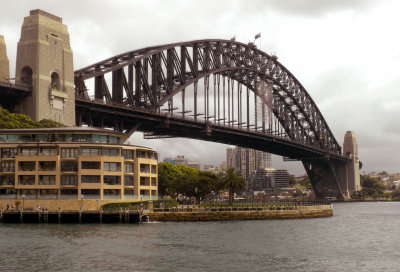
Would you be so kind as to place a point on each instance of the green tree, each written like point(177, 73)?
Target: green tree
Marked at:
point(292, 181)
point(372, 187)
point(181, 179)
point(16, 121)
point(306, 183)
point(167, 176)
point(47, 123)
point(234, 183)
point(396, 193)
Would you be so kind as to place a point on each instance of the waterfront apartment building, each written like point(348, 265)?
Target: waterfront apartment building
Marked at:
point(68, 168)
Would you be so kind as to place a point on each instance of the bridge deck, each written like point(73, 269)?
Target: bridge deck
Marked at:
point(188, 128)
point(12, 94)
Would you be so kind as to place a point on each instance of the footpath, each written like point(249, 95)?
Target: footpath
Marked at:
point(193, 213)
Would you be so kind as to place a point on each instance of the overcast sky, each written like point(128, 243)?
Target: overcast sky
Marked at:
point(346, 53)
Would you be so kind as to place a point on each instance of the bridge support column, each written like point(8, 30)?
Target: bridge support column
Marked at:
point(324, 175)
point(352, 174)
point(4, 63)
point(45, 62)
point(333, 178)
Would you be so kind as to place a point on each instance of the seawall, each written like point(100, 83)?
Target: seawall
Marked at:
point(290, 212)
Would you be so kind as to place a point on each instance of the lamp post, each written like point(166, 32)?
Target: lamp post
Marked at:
point(23, 202)
point(195, 192)
point(82, 201)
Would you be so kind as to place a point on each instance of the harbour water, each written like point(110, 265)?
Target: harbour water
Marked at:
point(359, 237)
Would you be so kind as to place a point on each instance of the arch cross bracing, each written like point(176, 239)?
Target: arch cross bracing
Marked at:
point(149, 79)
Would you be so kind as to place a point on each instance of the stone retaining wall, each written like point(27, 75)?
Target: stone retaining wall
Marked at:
point(206, 215)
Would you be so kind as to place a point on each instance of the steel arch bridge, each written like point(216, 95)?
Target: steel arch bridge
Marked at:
point(227, 92)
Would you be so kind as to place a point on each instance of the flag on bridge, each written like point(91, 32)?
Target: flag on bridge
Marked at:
point(233, 38)
point(257, 36)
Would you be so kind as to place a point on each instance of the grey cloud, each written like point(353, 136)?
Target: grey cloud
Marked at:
point(306, 8)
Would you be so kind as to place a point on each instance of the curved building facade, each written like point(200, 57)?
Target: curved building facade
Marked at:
point(73, 168)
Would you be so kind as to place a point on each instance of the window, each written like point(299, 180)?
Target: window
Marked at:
point(144, 181)
point(90, 165)
point(7, 166)
point(69, 194)
point(154, 155)
point(69, 152)
point(47, 180)
point(141, 154)
point(90, 179)
point(55, 81)
point(112, 180)
point(144, 168)
point(81, 138)
point(112, 193)
point(69, 166)
point(128, 180)
point(13, 138)
point(47, 166)
point(27, 138)
point(27, 166)
point(8, 152)
point(8, 192)
point(112, 166)
point(48, 151)
point(154, 169)
point(153, 182)
point(128, 167)
point(128, 192)
point(65, 138)
point(127, 154)
point(29, 193)
point(99, 138)
point(90, 193)
point(90, 151)
point(110, 152)
point(29, 151)
point(7, 180)
point(26, 180)
point(48, 193)
point(69, 180)
point(26, 76)
point(113, 140)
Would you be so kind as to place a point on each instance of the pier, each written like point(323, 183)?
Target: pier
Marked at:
point(79, 217)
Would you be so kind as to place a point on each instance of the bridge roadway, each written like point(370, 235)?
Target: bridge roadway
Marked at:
point(165, 125)
point(13, 94)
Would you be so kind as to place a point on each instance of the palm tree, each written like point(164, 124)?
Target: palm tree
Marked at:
point(233, 182)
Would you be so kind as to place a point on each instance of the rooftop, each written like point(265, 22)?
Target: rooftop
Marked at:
point(60, 130)
point(46, 14)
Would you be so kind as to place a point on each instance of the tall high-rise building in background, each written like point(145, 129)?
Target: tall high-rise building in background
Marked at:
point(281, 179)
point(246, 160)
point(264, 160)
point(230, 157)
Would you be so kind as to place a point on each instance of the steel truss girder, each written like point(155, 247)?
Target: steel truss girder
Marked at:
point(293, 106)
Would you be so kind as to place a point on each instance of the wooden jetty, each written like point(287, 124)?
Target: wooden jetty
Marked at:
point(76, 216)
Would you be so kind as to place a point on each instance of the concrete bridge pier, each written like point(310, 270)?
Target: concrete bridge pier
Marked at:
point(324, 177)
point(335, 178)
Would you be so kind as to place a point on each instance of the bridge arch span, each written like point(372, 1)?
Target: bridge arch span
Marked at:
point(157, 74)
